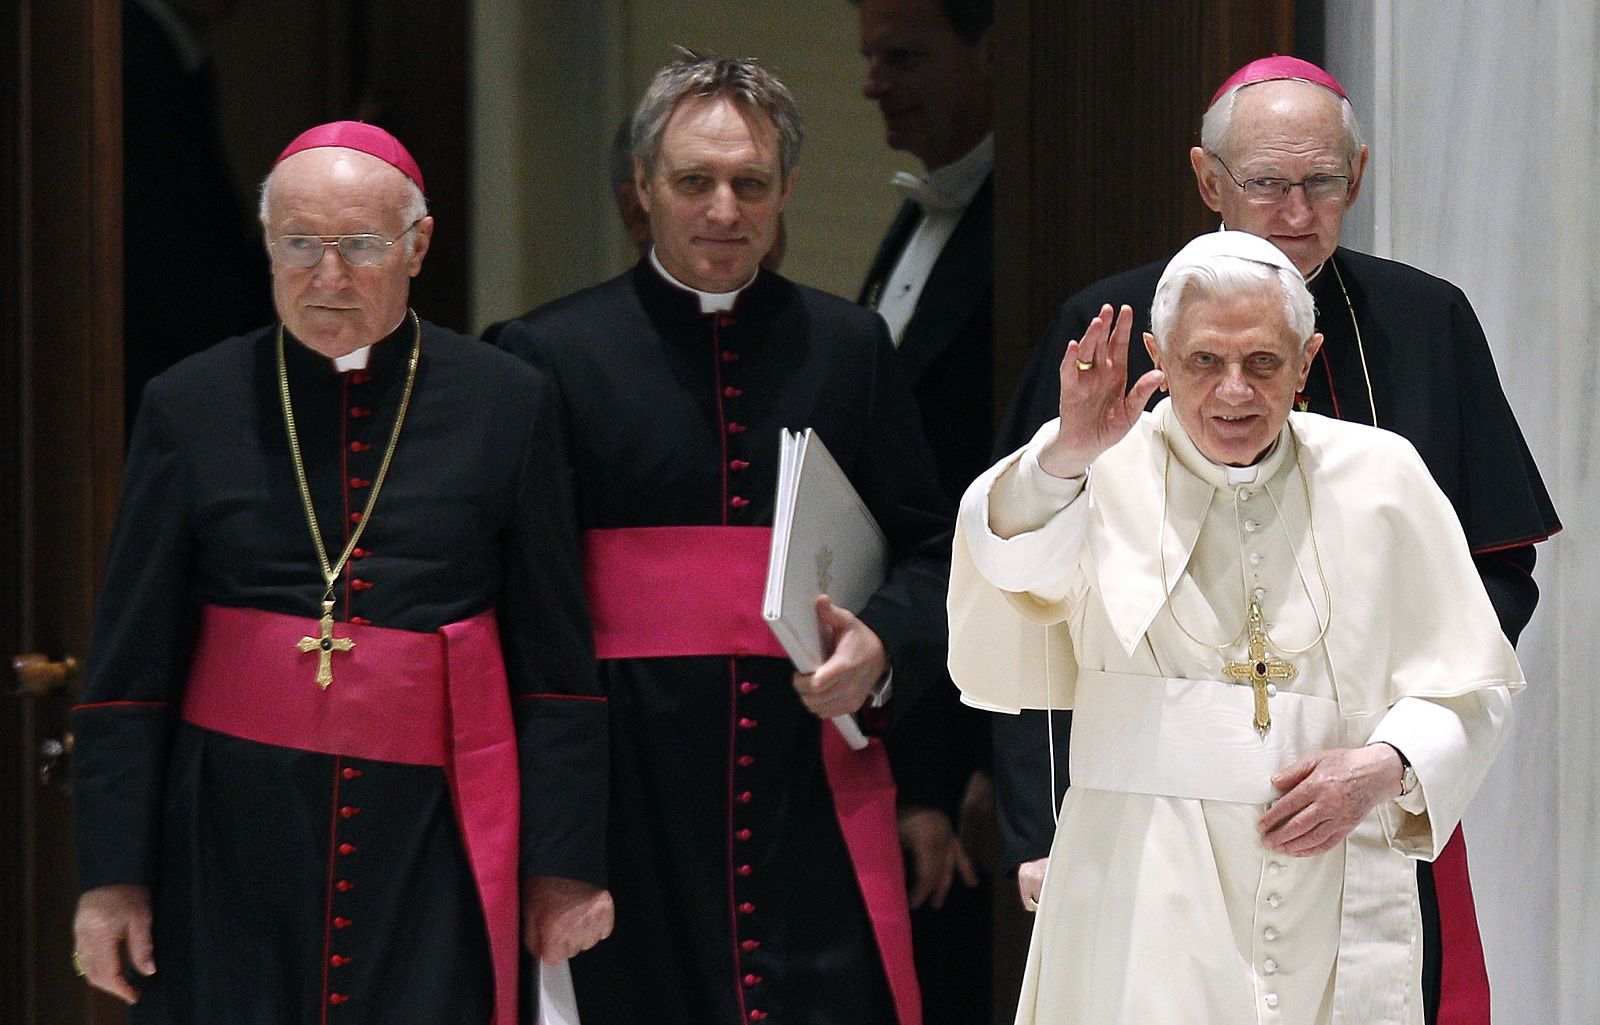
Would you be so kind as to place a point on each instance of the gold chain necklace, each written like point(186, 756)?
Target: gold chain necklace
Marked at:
point(1327, 594)
point(326, 644)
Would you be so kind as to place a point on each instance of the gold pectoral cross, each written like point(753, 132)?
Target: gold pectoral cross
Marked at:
point(1260, 670)
point(325, 646)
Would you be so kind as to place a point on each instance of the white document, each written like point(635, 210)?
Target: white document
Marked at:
point(558, 1004)
point(824, 541)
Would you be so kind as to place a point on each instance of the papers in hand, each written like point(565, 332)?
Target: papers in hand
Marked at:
point(824, 541)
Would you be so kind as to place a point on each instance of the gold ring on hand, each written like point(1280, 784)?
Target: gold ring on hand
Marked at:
point(77, 964)
point(1085, 364)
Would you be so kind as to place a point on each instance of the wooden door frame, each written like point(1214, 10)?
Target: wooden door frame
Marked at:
point(60, 443)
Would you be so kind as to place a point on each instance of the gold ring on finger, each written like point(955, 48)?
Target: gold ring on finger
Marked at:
point(77, 964)
point(1085, 364)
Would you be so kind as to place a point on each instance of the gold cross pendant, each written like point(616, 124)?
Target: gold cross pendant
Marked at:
point(325, 646)
point(1259, 670)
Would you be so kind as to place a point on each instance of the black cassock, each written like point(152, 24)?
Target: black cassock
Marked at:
point(735, 896)
point(259, 882)
point(1432, 380)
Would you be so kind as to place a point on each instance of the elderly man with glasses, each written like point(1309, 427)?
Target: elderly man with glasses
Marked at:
point(1281, 157)
point(342, 750)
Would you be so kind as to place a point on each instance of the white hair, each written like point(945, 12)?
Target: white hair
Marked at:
point(1227, 277)
point(414, 209)
point(1219, 118)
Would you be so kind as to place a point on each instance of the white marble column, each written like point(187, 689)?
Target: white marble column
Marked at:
point(1483, 120)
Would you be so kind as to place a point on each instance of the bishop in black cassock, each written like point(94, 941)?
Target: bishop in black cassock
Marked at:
point(347, 853)
point(1281, 157)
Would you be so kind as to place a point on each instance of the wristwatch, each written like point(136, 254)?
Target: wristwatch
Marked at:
point(1408, 775)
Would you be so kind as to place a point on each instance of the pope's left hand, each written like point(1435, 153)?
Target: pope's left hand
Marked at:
point(856, 662)
point(1327, 794)
point(562, 918)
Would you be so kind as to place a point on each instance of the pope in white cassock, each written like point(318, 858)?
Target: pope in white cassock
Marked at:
point(1287, 678)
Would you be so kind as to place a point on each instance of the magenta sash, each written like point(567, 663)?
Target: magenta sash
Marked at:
point(398, 696)
point(656, 592)
point(1463, 978)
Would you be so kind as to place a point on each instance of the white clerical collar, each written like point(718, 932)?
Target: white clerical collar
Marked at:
point(356, 360)
point(951, 187)
point(710, 302)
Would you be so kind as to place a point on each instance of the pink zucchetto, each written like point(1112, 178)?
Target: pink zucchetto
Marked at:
point(359, 136)
point(1277, 68)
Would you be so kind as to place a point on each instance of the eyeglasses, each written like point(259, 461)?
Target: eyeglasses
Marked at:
point(363, 250)
point(1319, 188)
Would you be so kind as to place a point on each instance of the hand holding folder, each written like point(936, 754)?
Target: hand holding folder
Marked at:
point(824, 542)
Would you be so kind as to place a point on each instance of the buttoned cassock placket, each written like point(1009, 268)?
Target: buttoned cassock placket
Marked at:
point(1286, 990)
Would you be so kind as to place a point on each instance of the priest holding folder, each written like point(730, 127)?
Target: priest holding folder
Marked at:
point(754, 857)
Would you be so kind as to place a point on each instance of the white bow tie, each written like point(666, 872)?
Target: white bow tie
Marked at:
point(925, 194)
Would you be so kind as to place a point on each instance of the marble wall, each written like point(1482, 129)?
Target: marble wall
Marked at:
point(1482, 118)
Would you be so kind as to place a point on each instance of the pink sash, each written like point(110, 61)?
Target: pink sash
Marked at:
point(656, 592)
point(1463, 979)
point(398, 696)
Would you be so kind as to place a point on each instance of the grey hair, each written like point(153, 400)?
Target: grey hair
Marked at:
point(1226, 277)
point(1219, 118)
point(414, 209)
point(751, 87)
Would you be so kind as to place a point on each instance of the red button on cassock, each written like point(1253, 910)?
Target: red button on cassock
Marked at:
point(349, 811)
point(355, 517)
point(752, 980)
point(743, 834)
point(730, 392)
point(338, 961)
point(747, 908)
point(337, 998)
point(341, 923)
point(359, 553)
point(359, 446)
point(361, 585)
point(358, 412)
point(747, 724)
point(745, 761)
point(729, 357)
point(360, 620)
point(359, 482)
point(735, 428)
point(745, 797)
point(344, 886)
point(738, 501)
point(750, 946)
point(748, 688)
point(347, 849)
point(738, 464)
point(758, 1015)
point(744, 870)
point(350, 773)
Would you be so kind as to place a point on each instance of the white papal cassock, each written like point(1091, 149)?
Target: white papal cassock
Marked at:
point(1161, 904)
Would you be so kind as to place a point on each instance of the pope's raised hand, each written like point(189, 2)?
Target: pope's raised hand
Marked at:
point(1097, 407)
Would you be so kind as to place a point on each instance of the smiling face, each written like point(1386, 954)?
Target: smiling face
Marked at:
point(332, 307)
point(1233, 367)
point(935, 89)
point(1290, 130)
point(716, 195)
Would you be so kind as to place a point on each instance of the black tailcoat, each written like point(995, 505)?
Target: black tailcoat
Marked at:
point(735, 897)
point(241, 842)
point(947, 349)
point(1433, 381)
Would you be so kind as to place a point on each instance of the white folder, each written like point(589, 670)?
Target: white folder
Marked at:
point(824, 541)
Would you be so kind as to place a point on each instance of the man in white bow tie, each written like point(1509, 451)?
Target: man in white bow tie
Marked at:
point(930, 70)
